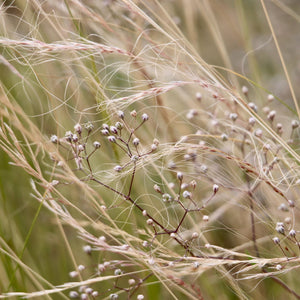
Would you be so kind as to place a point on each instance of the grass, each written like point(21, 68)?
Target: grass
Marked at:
point(149, 150)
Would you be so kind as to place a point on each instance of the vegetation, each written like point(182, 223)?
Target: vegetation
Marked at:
point(149, 149)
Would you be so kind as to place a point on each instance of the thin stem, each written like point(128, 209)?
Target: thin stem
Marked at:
point(253, 230)
point(147, 214)
point(131, 181)
point(139, 284)
point(281, 283)
point(181, 221)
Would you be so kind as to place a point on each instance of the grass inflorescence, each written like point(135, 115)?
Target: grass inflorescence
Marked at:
point(149, 150)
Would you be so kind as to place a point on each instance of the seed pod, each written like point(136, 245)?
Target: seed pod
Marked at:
point(233, 117)
point(145, 117)
point(133, 113)
point(186, 194)
point(113, 129)
point(105, 126)
point(295, 124)
point(97, 145)
point(119, 125)
point(252, 121)
point(292, 233)
point(54, 139)
point(150, 222)
point(157, 188)
point(89, 126)
point(118, 168)
point(271, 115)
point(78, 128)
point(195, 235)
point(198, 96)
point(121, 114)
point(179, 176)
point(112, 139)
point(205, 218)
point(245, 90)
point(215, 188)
point(136, 142)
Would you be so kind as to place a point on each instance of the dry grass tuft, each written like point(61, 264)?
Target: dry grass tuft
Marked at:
point(149, 149)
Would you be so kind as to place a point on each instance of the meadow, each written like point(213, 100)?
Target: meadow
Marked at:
point(149, 149)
